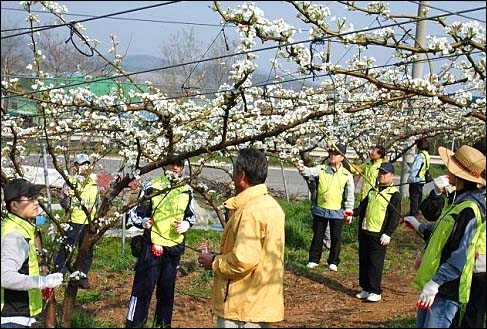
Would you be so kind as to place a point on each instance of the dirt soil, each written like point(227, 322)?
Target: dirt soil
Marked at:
point(319, 299)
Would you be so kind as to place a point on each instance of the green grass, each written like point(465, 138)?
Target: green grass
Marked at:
point(114, 258)
point(88, 296)
point(401, 322)
point(83, 319)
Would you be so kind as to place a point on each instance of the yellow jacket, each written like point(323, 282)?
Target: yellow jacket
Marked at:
point(249, 272)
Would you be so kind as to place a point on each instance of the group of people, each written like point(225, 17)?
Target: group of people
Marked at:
point(248, 289)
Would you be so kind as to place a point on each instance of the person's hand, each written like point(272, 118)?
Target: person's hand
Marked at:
point(385, 239)
point(157, 250)
point(51, 280)
point(411, 222)
point(427, 296)
point(206, 260)
point(147, 224)
point(348, 216)
point(441, 183)
point(182, 226)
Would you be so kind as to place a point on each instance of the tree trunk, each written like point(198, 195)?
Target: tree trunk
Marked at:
point(69, 302)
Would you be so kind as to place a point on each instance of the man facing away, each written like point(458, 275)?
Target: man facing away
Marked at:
point(248, 289)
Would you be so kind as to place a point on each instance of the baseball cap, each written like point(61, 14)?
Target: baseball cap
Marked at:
point(19, 187)
point(172, 159)
point(387, 167)
point(338, 148)
point(81, 158)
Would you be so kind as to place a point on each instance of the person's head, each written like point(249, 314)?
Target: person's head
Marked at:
point(336, 153)
point(249, 169)
point(81, 162)
point(377, 152)
point(386, 174)
point(175, 163)
point(422, 144)
point(21, 198)
point(464, 166)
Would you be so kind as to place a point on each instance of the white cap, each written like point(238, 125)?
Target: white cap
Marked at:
point(81, 158)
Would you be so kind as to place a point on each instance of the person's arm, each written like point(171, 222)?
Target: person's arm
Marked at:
point(310, 172)
point(393, 214)
point(15, 250)
point(189, 212)
point(247, 250)
point(349, 193)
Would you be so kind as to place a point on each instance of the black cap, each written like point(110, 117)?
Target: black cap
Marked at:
point(172, 158)
point(19, 187)
point(338, 148)
point(387, 167)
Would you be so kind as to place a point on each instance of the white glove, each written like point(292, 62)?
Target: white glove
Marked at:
point(412, 222)
point(182, 226)
point(427, 296)
point(147, 224)
point(441, 183)
point(385, 239)
point(51, 280)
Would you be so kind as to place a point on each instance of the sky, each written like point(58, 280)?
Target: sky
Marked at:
point(143, 37)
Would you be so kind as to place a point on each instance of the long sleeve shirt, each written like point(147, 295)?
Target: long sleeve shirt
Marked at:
point(415, 168)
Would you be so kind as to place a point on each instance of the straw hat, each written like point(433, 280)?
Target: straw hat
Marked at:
point(467, 163)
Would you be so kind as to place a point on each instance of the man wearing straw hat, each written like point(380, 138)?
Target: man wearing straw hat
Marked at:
point(445, 273)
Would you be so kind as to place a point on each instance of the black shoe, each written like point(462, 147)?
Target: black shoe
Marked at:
point(84, 284)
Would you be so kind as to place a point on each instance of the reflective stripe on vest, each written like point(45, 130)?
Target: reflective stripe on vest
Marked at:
point(89, 193)
point(439, 237)
point(330, 187)
point(377, 208)
point(168, 208)
point(425, 165)
point(13, 223)
point(370, 177)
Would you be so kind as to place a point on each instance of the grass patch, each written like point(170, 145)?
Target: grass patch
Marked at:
point(401, 321)
point(111, 257)
point(89, 296)
point(83, 319)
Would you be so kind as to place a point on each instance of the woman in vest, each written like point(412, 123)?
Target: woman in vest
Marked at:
point(445, 273)
point(172, 214)
point(21, 282)
point(379, 216)
point(335, 200)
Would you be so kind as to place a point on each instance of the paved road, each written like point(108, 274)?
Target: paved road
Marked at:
point(296, 186)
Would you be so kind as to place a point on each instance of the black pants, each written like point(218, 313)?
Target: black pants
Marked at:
point(74, 237)
point(415, 197)
point(476, 306)
point(149, 272)
point(371, 261)
point(316, 248)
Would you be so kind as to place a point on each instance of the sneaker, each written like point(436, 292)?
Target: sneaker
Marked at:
point(312, 265)
point(333, 267)
point(374, 297)
point(363, 294)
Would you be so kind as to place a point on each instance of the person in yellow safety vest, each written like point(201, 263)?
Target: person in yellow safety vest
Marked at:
point(21, 282)
point(369, 171)
point(417, 175)
point(445, 273)
point(85, 183)
point(378, 216)
point(165, 220)
point(335, 200)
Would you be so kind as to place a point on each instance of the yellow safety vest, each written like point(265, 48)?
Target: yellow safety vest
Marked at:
point(167, 208)
point(21, 303)
point(331, 185)
point(89, 194)
point(370, 177)
point(377, 208)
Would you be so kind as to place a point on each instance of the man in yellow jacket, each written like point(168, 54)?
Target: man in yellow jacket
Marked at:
point(249, 271)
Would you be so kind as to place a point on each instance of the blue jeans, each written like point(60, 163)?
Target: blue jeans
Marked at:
point(440, 315)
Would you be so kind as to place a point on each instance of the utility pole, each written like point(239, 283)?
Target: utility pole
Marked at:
point(46, 178)
point(417, 73)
